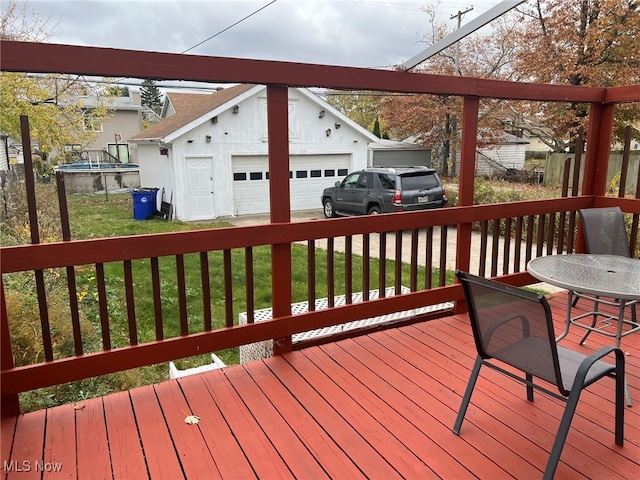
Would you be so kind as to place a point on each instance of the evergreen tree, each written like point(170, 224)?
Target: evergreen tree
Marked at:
point(150, 95)
point(376, 128)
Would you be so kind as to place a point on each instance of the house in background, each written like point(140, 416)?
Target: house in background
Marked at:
point(507, 154)
point(113, 134)
point(210, 152)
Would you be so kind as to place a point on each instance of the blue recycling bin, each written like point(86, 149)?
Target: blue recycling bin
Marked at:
point(144, 202)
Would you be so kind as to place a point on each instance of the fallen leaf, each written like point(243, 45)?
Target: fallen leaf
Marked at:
point(78, 406)
point(192, 420)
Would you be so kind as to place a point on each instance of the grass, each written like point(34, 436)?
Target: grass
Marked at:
point(93, 216)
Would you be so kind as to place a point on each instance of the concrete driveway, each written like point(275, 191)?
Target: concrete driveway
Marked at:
point(339, 243)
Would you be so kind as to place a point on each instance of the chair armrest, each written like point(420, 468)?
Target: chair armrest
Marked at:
point(589, 361)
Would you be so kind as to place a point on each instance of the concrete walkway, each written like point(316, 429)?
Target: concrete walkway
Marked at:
point(339, 245)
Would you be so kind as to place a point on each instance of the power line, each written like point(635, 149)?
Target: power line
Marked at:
point(230, 26)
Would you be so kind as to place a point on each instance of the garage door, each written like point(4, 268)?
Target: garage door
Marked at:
point(309, 174)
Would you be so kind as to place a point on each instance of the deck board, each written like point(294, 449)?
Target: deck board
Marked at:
point(127, 457)
point(60, 442)
point(229, 458)
point(159, 451)
point(92, 444)
point(375, 406)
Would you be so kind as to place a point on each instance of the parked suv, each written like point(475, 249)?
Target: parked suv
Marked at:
point(384, 190)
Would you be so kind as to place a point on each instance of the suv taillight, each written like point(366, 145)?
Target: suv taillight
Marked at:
point(397, 198)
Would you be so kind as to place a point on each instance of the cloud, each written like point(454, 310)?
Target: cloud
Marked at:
point(360, 33)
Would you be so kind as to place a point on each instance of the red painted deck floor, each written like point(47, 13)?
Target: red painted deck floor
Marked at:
point(376, 406)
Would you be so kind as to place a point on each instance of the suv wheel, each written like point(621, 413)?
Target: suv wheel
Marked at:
point(329, 211)
point(375, 210)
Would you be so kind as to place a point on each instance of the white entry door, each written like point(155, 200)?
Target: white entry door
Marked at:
point(200, 195)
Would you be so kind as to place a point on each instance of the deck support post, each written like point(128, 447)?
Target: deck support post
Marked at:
point(594, 179)
point(279, 196)
point(466, 184)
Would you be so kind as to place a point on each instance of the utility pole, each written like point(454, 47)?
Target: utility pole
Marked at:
point(459, 15)
point(452, 122)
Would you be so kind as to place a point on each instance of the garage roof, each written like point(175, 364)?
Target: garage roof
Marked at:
point(190, 107)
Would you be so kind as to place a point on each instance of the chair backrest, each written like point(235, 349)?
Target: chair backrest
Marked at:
point(512, 325)
point(604, 231)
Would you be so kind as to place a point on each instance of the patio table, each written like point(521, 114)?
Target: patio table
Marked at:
point(609, 276)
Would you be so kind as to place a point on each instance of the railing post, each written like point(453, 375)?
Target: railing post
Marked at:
point(594, 181)
point(279, 196)
point(10, 404)
point(466, 183)
point(599, 148)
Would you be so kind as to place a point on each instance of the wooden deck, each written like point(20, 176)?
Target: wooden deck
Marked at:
point(377, 406)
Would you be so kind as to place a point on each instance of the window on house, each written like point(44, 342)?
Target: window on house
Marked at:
point(316, 173)
point(255, 176)
point(330, 173)
point(239, 176)
point(342, 172)
point(301, 174)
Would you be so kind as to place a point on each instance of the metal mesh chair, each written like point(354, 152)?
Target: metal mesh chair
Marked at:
point(604, 233)
point(515, 327)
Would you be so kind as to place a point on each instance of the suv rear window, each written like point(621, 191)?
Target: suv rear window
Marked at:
point(419, 181)
point(388, 182)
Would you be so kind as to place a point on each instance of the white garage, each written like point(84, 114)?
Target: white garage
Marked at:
point(210, 151)
point(309, 175)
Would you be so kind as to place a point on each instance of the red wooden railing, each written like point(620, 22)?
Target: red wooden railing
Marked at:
point(542, 225)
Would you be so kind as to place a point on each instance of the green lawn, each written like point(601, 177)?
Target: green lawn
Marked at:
point(94, 216)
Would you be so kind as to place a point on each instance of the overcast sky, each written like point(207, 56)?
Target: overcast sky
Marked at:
point(359, 33)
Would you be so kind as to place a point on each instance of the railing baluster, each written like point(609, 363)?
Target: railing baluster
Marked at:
point(530, 220)
point(507, 246)
point(206, 292)
point(228, 288)
point(398, 263)
point(540, 240)
point(366, 266)
point(442, 274)
point(182, 295)
point(102, 305)
point(348, 269)
point(517, 243)
point(484, 235)
point(157, 298)
point(495, 243)
point(413, 283)
point(73, 307)
point(428, 259)
point(248, 262)
point(382, 266)
point(71, 273)
point(331, 287)
point(131, 308)
point(551, 232)
point(311, 275)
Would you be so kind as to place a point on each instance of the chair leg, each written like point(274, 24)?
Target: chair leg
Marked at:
point(529, 387)
point(621, 392)
point(575, 301)
point(561, 436)
point(467, 395)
